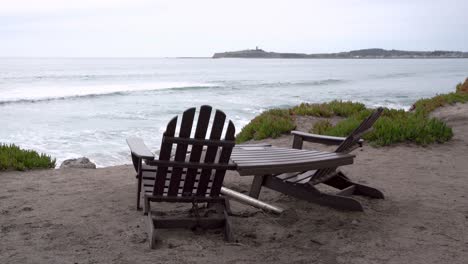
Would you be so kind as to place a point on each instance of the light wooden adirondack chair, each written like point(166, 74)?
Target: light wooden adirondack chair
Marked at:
point(301, 184)
point(184, 177)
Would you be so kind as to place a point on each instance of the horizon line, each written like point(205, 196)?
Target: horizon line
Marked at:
point(207, 57)
point(105, 57)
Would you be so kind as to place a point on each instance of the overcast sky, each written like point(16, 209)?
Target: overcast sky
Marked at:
point(168, 28)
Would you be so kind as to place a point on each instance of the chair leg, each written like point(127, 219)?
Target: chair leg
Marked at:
point(340, 181)
point(310, 193)
point(256, 186)
point(152, 238)
point(146, 206)
point(138, 192)
point(227, 222)
point(368, 191)
point(228, 206)
point(335, 201)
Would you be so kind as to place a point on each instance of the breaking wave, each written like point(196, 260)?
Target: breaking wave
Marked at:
point(31, 95)
point(303, 83)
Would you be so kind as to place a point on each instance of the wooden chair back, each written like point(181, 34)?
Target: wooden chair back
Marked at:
point(348, 145)
point(201, 173)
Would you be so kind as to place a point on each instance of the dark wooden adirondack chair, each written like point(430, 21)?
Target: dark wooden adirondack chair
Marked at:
point(301, 184)
point(193, 174)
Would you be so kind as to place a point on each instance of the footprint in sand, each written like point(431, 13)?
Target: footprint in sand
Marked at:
point(27, 209)
point(420, 228)
point(138, 238)
point(7, 228)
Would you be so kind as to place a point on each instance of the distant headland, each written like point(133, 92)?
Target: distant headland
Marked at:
point(354, 54)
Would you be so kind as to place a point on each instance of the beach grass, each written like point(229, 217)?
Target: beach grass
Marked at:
point(395, 126)
point(462, 87)
point(270, 124)
point(333, 108)
point(427, 105)
point(13, 157)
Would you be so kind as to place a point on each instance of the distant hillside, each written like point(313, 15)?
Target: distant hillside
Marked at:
point(354, 54)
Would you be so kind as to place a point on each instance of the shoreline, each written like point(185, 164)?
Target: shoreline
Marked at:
point(99, 134)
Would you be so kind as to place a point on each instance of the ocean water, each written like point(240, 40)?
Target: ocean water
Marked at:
point(87, 107)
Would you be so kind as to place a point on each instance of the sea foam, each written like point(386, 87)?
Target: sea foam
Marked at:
point(54, 92)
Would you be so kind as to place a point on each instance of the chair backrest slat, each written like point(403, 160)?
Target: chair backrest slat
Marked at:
point(164, 154)
point(223, 159)
point(185, 175)
point(354, 137)
point(217, 129)
point(181, 150)
point(348, 144)
point(195, 155)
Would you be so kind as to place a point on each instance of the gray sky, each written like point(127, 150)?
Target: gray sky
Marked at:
point(166, 28)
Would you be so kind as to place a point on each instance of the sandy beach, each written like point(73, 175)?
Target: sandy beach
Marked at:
point(88, 216)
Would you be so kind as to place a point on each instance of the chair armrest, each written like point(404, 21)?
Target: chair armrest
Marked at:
point(252, 145)
point(322, 139)
point(139, 149)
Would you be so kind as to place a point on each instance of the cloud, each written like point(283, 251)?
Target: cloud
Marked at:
point(50, 6)
point(199, 28)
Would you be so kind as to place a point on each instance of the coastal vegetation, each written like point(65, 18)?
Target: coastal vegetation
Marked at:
point(428, 105)
point(395, 126)
point(354, 54)
point(13, 157)
point(272, 123)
